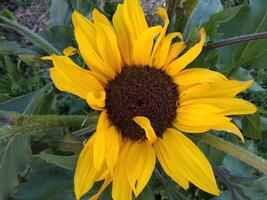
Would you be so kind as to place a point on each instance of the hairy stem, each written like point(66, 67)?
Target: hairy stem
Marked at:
point(33, 37)
point(236, 151)
point(236, 40)
point(20, 124)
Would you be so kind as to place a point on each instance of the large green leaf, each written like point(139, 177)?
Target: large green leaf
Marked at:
point(201, 14)
point(47, 182)
point(59, 13)
point(66, 162)
point(17, 104)
point(251, 18)
point(14, 158)
point(43, 102)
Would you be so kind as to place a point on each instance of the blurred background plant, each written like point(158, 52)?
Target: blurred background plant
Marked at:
point(42, 129)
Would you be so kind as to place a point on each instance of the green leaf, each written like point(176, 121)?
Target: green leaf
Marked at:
point(251, 18)
point(66, 162)
point(219, 18)
point(43, 102)
point(201, 14)
point(14, 158)
point(17, 104)
point(84, 6)
point(59, 11)
point(251, 126)
point(146, 194)
point(60, 36)
point(237, 167)
point(47, 182)
point(13, 48)
point(6, 13)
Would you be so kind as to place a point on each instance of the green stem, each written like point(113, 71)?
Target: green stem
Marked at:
point(21, 124)
point(236, 151)
point(35, 38)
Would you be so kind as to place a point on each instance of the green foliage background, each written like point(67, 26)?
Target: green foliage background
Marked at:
point(40, 164)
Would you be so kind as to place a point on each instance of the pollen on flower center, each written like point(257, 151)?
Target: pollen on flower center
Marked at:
point(141, 91)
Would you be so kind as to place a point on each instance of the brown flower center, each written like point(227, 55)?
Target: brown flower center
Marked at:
point(141, 91)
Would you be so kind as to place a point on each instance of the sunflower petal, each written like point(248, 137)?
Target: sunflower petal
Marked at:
point(163, 51)
point(200, 115)
point(175, 49)
point(100, 18)
point(123, 35)
point(144, 159)
point(121, 188)
point(70, 51)
point(134, 18)
point(163, 14)
point(85, 34)
point(107, 46)
point(228, 106)
point(113, 143)
point(100, 140)
point(169, 165)
point(181, 62)
point(222, 89)
point(231, 128)
point(197, 75)
point(96, 100)
point(141, 55)
point(69, 77)
point(85, 172)
point(145, 124)
point(192, 163)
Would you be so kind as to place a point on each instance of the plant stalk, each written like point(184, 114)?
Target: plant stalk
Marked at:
point(236, 40)
point(22, 124)
point(35, 38)
point(236, 151)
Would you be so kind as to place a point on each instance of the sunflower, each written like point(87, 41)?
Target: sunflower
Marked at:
point(146, 99)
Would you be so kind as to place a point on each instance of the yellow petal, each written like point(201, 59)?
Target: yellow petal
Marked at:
point(107, 46)
point(134, 18)
point(113, 143)
point(121, 189)
point(123, 35)
point(197, 75)
point(162, 53)
point(162, 13)
point(100, 18)
point(214, 90)
point(228, 106)
point(200, 115)
point(86, 25)
point(231, 128)
point(191, 161)
point(71, 78)
point(181, 62)
point(70, 51)
point(175, 49)
point(191, 129)
point(145, 124)
point(140, 165)
point(85, 34)
point(170, 165)
point(85, 172)
point(143, 45)
point(96, 100)
point(102, 188)
point(101, 140)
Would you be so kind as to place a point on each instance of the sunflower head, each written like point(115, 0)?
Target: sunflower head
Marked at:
point(141, 91)
point(136, 79)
